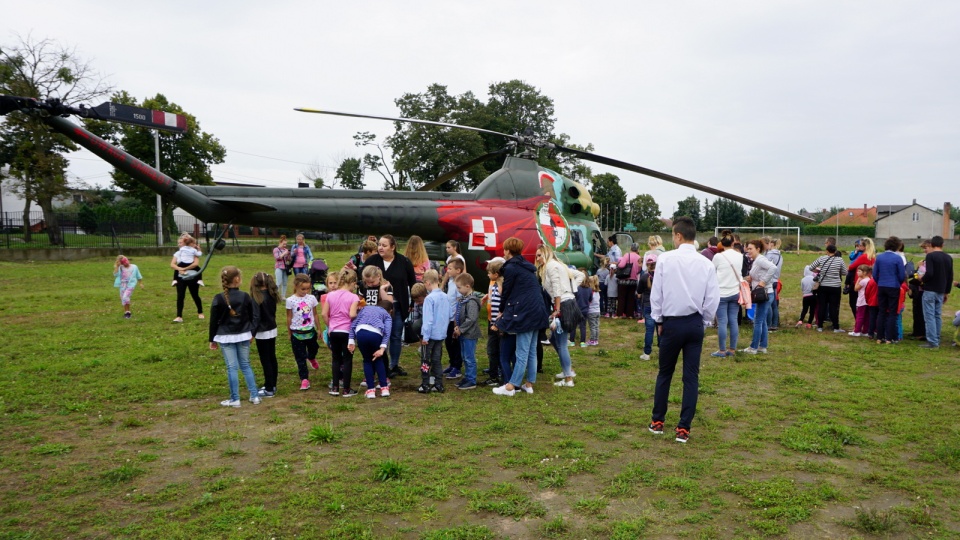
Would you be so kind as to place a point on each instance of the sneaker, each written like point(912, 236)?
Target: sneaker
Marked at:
point(423, 389)
point(562, 376)
point(448, 370)
point(173, 283)
point(334, 391)
point(385, 391)
point(819, 329)
point(255, 400)
point(808, 326)
point(527, 389)
point(127, 315)
point(656, 428)
point(314, 364)
point(644, 356)
point(201, 283)
point(398, 372)
point(466, 385)
point(838, 330)
point(263, 392)
point(583, 345)
point(719, 354)
point(682, 435)
point(230, 403)
point(502, 391)
point(749, 350)
point(593, 343)
point(363, 384)
point(563, 382)
point(438, 388)
point(370, 393)
point(928, 345)
point(854, 334)
point(453, 374)
point(486, 371)
point(305, 384)
point(762, 350)
point(545, 341)
point(200, 316)
point(348, 393)
point(799, 324)
point(178, 319)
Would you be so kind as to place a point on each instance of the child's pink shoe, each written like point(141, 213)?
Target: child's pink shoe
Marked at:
point(313, 363)
point(305, 384)
point(384, 391)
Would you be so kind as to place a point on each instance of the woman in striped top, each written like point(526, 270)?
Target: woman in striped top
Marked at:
point(832, 270)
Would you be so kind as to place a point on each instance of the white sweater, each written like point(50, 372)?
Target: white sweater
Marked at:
point(728, 278)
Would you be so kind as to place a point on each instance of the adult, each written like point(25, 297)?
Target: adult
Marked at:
point(711, 248)
point(761, 276)
point(936, 281)
point(398, 270)
point(627, 286)
point(868, 252)
point(417, 253)
point(613, 250)
point(831, 273)
point(522, 314)
point(281, 261)
point(301, 256)
point(683, 301)
point(772, 254)
point(186, 284)
point(453, 252)
point(561, 284)
point(888, 273)
point(728, 263)
point(915, 291)
point(655, 245)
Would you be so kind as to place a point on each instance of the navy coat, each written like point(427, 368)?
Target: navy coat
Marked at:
point(522, 308)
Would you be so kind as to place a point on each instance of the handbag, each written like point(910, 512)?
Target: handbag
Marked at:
point(570, 315)
point(745, 299)
point(623, 272)
point(759, 295)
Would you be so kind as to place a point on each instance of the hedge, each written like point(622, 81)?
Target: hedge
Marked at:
point(843, 230)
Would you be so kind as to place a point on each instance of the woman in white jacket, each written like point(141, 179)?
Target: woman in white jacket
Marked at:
point(729, 263)
point(560, 283)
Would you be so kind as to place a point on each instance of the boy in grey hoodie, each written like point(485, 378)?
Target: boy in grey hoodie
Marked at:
point(467, 329)
point(809, 296)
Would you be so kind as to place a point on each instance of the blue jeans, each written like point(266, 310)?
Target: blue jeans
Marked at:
point(727, 320)
point(468, 349)
point(560, 344)
point(760, 328)
point(933, 316)
point(396, 338)
point(773, 314)
point(237, 357)
point(526, 358)
point(281, 276)
point(508, 356)
point(650, 327)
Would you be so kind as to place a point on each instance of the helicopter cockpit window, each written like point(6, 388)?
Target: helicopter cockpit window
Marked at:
point(576, 240)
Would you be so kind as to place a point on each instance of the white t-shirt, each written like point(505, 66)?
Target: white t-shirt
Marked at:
point(301, 308)
point(187, 254)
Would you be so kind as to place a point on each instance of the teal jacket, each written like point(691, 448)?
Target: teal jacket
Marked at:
point(135, 276)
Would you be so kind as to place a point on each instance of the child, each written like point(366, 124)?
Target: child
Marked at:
point(956, 333)
point(266, 295)
point(370, 332)
point(374, 287)
point(582, 296)
point(493, 311)
point(602, 274)
point(234, 317)
point(330, 284)
point(873, 306)
point(467, 329)
point(593, 311)
point(809, 299)
point(302, 327)
point(863, 277)
point(418, 293)
point(339, 310)
point(455, 267)
point(126, 276)
point(644, 285)
point(611, 291)
point(186, 253)
point(436, 309)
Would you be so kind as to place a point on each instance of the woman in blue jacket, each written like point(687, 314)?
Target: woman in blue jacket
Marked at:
point(522, 313)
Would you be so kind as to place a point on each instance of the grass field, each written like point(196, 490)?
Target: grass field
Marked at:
point(112, 428)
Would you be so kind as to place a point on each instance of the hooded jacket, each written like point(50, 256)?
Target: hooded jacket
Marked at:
point(521, 301)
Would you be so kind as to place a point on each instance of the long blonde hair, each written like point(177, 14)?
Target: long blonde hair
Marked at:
point(416, 251)
point(869, 248)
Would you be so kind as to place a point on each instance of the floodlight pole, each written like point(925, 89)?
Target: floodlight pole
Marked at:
point(156, 151)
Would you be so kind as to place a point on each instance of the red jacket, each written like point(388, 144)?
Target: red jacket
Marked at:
point(871, 293)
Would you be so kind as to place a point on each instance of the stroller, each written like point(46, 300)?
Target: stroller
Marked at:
point(318, 277)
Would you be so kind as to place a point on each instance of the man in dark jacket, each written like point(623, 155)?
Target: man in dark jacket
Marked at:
point(936, 288)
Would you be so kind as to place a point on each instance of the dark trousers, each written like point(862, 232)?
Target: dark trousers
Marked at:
point(809, 306)
point(368, 343)
point(888, 300)
point(341, 364)
point(453, 348)
point(583, 331)
point(828, 300)
point(302, 350)
point(873, 313)
point(182, 286)
point(493, 353)
point(603, 298)
point(508, 356)
point(626, 298)
point(919, 324)
point(267, 351)
point(852, 299)
point(431, 363)
point(680, 335)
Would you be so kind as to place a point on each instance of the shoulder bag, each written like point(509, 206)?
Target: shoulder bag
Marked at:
point(623, 272)
point(746, 299)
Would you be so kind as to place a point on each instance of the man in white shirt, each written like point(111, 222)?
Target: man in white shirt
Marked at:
point(683, 301)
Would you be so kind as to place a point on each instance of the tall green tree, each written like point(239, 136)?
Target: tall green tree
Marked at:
point(35, 155)
point(186, 157)
point(350, 173)
point(689, 207)
point(731, 214)
point(645, 213)
point(612, 199)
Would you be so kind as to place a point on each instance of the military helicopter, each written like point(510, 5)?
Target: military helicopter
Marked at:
point(521, 199)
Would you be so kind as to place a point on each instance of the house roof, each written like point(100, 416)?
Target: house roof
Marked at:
point(853, 216)
point(897, 209)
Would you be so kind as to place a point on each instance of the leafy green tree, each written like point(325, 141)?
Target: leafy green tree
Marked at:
point(689, 207)
point(645, 213)
point(612, 200)
point(350, 173)
point(732, 214)
point(762, 218)
point(186, 157)
point(35, 155)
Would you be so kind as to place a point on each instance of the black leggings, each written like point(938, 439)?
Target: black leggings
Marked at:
point(182, 286)
point(828, 300)
point(809, 306)
point(267, 350)
point(341, 366)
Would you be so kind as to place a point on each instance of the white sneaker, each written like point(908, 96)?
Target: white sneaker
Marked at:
point(502, 391)
point(562, 376)
point(762, 350)
point(568, 384)
point(230, 403)
point(749, 350)
point(854, 334)
point(527, 389)
point(644, 356)
point(838, 330)
point(255, 400)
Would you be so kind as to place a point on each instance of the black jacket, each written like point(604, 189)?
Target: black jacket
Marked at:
point(223, 324)
point(522, 307)
point(268, 314)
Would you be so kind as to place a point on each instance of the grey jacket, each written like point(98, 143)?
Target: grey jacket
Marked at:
point(468, 317)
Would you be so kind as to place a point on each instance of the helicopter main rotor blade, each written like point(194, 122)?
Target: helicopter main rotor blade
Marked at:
point(462, 168)
point(409, 120)
point(676, 180)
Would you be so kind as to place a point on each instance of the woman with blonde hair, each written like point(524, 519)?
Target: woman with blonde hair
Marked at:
point(281, 262)
point(867, 257)
point(561, 284)
point(417, 253)
point(655, 243)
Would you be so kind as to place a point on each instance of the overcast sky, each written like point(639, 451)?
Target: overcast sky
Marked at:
point(800, 104)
